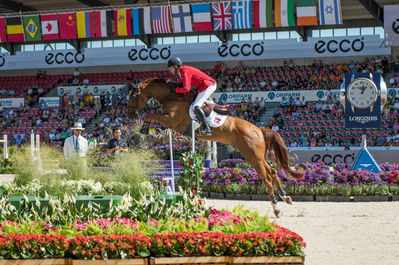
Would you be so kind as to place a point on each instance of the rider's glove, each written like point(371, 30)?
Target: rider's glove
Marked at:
point(173, 88)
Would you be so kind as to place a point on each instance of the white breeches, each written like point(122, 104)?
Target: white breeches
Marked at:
point(203, 96)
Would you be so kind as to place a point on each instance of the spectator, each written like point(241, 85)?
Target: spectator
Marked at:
point(76, 144)
point(117, 144)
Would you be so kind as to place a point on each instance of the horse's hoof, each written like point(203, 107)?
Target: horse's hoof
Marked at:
point(287, 199)
point(277, 213)
point(145, 128)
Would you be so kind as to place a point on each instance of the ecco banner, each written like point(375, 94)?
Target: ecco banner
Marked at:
point(391, 25)
point(50, 101)
point(274, 96)
point(12, 102)
point(338, 155)
point(95, 90)
point(198, 52)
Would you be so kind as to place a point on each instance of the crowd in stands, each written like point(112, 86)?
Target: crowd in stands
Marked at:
point(301, 123)
point(322, 124)
point(297, 77)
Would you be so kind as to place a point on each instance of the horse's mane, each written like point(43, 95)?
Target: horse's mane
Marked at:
point(176, 96)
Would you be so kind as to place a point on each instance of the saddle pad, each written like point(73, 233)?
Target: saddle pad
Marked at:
point(214, 119)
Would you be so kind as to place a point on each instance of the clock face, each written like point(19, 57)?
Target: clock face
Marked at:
point(362, 93)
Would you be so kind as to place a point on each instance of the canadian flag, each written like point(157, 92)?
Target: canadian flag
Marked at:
point(49, 27)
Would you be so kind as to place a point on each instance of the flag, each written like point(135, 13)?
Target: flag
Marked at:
point(222, 16)
point(284, 13)
point(242, 15)
point(3, 29)
point(141, 21)
point(201, 17)
point(123, 22)
point(104, 19)
point(182, 18)
point(32, 28)
point(391, 26)
point(306, 12)
point(85, 24)
point(67, 23)
point(263, 10)
point(161, 19)
point(49, 27)
point(15, 30)
point(330, 12)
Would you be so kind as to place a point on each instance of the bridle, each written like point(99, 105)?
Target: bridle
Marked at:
point(135, 88)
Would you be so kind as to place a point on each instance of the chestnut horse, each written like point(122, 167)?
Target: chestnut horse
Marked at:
point(253, 143)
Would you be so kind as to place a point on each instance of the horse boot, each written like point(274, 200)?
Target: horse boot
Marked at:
point(145, 128)
point(201, 117)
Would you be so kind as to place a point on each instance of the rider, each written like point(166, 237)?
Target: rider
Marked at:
point(205, 85)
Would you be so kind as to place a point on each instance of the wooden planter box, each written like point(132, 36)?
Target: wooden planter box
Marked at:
point(110, 262)
point(269, 260)
point(34, 262)
point(229, 260)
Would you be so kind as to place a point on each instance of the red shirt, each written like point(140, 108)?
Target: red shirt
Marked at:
point(191, 76)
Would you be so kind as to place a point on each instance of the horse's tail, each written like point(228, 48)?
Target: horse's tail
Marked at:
point(275, 143)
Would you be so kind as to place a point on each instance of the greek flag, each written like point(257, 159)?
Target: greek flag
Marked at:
point(242, 15)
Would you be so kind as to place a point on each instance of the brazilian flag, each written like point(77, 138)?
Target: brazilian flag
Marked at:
point(32, 28)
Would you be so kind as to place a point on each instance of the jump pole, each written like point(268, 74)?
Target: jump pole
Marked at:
point(171, 160)
point(193, 136)
point(5, 147)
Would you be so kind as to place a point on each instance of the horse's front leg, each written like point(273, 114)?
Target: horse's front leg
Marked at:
point(164, 119)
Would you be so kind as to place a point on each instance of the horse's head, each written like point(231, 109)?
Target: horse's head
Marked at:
point(156, 88)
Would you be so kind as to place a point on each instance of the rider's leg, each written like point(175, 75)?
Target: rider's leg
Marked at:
point(200, 99)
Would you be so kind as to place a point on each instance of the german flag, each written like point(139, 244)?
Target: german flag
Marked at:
point(15, 29)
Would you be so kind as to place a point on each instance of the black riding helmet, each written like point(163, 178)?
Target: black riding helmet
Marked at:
point(174, 61)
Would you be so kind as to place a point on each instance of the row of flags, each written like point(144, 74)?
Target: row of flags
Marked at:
point(216, 16)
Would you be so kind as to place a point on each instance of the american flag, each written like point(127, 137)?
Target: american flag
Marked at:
point(161, 19)
point(222, 16)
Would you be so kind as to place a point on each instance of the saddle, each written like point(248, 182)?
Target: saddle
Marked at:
point(210, 105)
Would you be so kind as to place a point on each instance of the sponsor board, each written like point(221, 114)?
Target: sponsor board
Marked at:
point(50, 101)
point(274, 96)
point(12, 102)
point(198, 52)
point(95, 90)
point(330, 157)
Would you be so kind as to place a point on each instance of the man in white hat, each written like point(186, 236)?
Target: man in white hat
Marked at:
point(76, 144)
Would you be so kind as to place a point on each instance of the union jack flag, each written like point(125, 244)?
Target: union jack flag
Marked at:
point(161, 19)
point(222, 16)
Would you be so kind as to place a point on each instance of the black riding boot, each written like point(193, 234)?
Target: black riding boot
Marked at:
point(201, 117)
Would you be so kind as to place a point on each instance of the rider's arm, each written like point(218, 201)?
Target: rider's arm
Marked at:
point(186, 80)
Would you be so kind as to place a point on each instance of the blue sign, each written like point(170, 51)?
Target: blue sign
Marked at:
point(362, 117)
point(364, 160)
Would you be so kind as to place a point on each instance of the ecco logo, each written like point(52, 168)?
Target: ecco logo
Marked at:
point(333, 159)
point(245, 50)
point(145, 54)
point(2, 60)
point(68, 57)
point(344, 46)
point(395, 26)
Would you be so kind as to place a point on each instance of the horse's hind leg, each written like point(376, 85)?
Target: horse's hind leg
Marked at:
point(276, 180)
point(264, 174)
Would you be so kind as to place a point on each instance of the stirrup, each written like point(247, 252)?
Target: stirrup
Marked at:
point(207, 132)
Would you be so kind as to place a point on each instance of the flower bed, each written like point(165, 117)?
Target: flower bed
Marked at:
point(237, 233)
point(320, 179)
point(281, 242)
